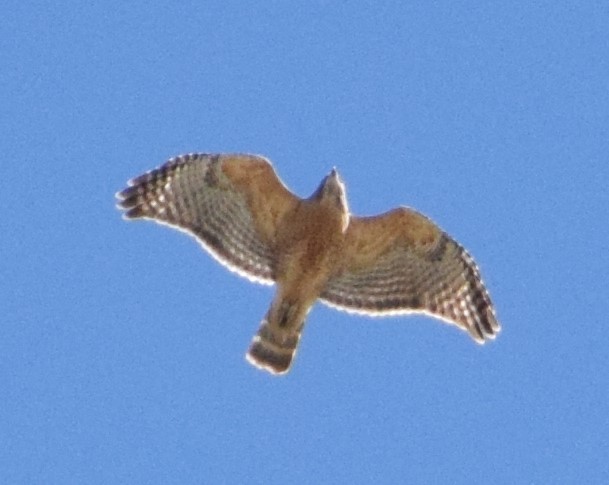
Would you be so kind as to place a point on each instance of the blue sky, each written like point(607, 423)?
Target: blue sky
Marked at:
point(122, 344)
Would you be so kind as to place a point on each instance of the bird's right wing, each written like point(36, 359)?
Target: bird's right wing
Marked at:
point(231, 203)
point(401, 262)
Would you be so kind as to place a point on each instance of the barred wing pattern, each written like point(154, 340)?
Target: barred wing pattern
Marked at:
point(400, 262)
point(232, 204)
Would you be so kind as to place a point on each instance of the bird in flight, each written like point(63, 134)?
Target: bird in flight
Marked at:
point(395, 263)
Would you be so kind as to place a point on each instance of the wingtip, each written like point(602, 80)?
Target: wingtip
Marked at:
point(129, 206)
point(484, 333)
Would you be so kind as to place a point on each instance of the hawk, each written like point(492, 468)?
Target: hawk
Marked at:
point(395, 263)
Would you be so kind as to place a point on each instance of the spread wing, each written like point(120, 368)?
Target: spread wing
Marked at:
point(232, 204)
point(401, 262)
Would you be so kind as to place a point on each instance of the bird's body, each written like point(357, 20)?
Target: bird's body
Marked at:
point(397, 262)
point(311, 238)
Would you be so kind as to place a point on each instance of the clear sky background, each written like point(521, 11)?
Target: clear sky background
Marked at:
point(122, 344)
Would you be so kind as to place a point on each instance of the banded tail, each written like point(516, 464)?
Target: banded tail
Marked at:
point(273, 347)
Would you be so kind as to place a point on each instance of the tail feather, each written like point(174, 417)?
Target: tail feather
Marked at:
point(273, 348)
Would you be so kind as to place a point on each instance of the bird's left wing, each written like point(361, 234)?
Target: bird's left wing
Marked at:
point(401, 262)
point(231, 203)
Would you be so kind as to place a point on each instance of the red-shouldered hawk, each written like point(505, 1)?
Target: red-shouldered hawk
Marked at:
point(395, 263)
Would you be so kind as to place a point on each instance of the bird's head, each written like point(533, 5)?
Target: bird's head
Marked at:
point(331, 191)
